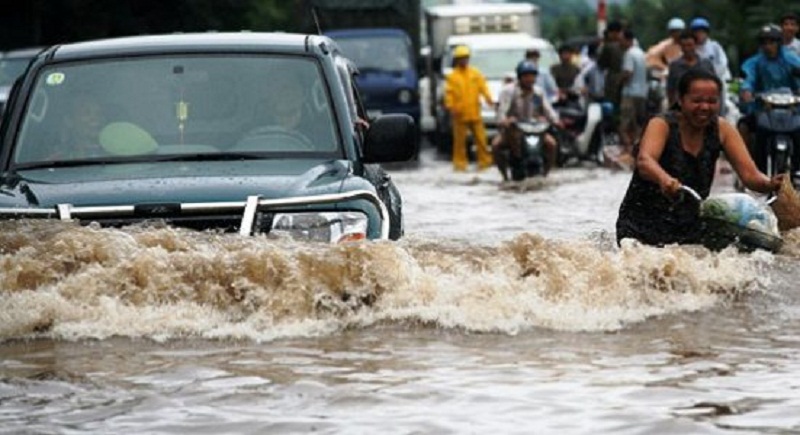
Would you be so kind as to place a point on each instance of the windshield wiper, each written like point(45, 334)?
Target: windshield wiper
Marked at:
point(44, 164)
point(211, 157)
point(142, 159)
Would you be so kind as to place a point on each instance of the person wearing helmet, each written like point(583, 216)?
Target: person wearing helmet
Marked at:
point(464, 87)
point(660, 55)
point(771, 68)
point(523, 101)
point(544, 80)
point(710, 49)
point(789, 27)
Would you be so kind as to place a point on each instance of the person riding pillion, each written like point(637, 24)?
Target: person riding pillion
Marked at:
point(464, 87)
point(523, 101)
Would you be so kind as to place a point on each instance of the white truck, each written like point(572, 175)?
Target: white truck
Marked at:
point(497, 34)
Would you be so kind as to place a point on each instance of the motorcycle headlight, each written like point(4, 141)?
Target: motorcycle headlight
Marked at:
point(330, 227)
point(779, 99)
point(405, 96)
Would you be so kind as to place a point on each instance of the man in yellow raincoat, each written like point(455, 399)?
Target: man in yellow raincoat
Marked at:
point(464, 87)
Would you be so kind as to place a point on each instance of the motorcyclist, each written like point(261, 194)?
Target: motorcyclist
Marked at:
point(523, 101)
point(771, 68)
point(660, 55)
point(712, 50)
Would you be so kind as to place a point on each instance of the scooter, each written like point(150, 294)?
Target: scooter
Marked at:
point(736, 219)
point(778, 132)
point(529, 161)
point(582, 137)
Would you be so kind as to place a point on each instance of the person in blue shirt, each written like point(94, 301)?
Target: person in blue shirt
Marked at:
point(771, 68)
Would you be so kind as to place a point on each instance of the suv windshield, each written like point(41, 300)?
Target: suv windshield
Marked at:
point(206, 106)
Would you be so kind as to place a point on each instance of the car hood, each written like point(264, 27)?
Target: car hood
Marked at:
point(173, 182)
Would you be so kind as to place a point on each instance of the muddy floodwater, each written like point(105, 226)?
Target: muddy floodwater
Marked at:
point(505, 309)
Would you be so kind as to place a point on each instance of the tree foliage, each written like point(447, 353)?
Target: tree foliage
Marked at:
point(44, 22)
point(734, 22)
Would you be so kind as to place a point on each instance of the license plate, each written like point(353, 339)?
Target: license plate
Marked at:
point(374, 113)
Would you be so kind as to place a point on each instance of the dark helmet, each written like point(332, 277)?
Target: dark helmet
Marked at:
point(526, 67)
point(770, 32)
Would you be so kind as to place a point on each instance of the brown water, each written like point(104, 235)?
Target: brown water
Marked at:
point(508, 310)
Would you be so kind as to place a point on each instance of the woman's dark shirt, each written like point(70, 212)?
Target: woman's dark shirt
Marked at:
point(648, 215)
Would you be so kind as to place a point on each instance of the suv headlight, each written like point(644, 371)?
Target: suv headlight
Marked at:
point(330, 227)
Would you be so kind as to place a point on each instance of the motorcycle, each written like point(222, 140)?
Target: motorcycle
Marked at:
point(736, 219)
point(583, 134)
point(529, 161)
point(778, 132)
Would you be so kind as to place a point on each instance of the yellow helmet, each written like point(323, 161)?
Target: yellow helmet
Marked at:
point(461, 51)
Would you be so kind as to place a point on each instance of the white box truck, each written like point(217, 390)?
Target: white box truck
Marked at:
point(497, 34)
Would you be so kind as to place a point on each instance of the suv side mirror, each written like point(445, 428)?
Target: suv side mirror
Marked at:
point(391, 138)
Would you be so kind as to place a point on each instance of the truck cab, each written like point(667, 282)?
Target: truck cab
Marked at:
point(387, 69)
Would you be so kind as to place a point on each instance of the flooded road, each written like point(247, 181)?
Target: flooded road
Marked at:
point(504, 310)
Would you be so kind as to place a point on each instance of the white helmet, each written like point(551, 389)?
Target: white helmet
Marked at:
point(676, 24)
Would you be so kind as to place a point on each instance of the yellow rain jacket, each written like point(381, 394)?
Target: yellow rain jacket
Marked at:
point(462, 92)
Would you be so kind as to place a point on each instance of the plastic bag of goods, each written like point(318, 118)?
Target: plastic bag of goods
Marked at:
point(741, 219)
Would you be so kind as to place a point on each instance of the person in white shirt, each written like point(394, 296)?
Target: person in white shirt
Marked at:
point(789, 26)
point(710, 49)
point(634, 92)
point(591, 80)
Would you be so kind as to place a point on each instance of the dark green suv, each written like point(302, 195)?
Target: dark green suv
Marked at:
point(241, 132)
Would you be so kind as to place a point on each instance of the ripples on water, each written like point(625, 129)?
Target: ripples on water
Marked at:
point(470, 324)
point(69, 282)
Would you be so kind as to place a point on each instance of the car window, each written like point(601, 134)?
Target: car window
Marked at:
point(177, 105)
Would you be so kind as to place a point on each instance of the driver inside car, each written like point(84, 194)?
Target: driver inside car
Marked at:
point(281, 126)
point(79, 129)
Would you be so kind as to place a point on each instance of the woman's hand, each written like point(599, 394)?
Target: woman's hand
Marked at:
point(670, 187)
point(776, 182)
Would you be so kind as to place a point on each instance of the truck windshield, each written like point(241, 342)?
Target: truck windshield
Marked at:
point(384, 53)
point(495, 63)
point(11, 68)
point(199, 105)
